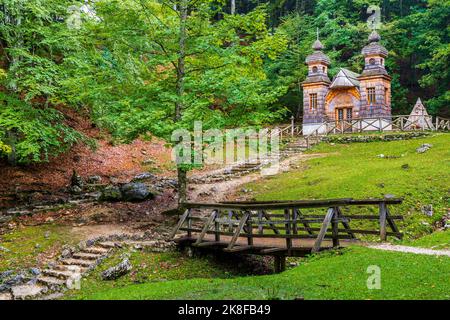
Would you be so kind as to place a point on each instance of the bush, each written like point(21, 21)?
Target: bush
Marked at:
point(373, 138)
point(29, 134)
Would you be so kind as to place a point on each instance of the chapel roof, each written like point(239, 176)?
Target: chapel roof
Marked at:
point(345, 79)
point(318, 55)
point(374, 48)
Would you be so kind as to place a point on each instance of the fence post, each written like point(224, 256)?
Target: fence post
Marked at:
point(292, 126)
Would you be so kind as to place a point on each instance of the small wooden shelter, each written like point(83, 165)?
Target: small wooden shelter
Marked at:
point(419, 117)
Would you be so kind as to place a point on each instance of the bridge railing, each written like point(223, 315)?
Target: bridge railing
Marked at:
point(265, 225)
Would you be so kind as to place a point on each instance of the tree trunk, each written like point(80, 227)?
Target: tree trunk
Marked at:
point(183, 6)
point(11, 141)
point(182, 186)
point(182, 173)
point(233, 7)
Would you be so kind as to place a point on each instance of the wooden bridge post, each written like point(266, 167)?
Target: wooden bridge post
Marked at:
point(279, 263)
point(205, 229)
point(292, 126)
point(260, 226)
point(249, 230)
point(335, 226)
point(217, 226)
point(294, 220)
point(383, 214)
point(180, 223)
point(287, 218)
point(323, 230)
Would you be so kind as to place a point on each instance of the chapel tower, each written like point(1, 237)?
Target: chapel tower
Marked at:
point(375, 83)
point(315, 88)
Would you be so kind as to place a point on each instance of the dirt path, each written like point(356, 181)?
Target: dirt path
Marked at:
point(406, 249)
point(218, 191)
point(92, 231)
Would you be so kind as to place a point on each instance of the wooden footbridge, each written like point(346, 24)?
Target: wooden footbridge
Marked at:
point(284, 228)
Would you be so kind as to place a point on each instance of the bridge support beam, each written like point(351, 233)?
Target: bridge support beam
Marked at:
point(279, 263)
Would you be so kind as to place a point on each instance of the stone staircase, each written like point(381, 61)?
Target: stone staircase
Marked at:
point(292, 147)
point(74, 263)
point(63, 274)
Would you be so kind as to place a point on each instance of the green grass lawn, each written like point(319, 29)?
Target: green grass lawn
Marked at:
point(355, 171)
point(331, 275)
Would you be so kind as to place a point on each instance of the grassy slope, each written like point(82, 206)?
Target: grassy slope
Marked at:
point(333, 275)
point(354, 170)
point(438, 240)
point(26, 246)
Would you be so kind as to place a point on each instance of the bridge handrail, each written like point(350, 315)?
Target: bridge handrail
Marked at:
point(274, 205)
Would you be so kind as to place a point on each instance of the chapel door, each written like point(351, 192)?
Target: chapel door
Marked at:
point(344, 119)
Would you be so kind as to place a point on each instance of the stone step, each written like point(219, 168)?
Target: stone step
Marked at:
point(51, 281)
point(240, 170)
point(69, 267)
point(98, 250)
point(78, 262)
point(63, 275)
point(107, 245)
point(5, 296)
point(27, 291)
point(87, 256)
point(52, 296)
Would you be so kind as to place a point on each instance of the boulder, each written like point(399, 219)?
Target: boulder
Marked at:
point(111, 193)
point(94, 179)
point(117, 271)
point(136, 191)
point(76, 180)
point(424, 148)
point(144, 176)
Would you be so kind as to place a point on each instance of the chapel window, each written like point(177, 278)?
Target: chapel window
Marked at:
point(313, 101)
point(371, 98)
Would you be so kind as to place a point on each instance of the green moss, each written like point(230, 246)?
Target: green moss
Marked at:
point(25, 245)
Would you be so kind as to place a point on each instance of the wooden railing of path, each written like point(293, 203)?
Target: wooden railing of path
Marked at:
point(367, 124)
point(282, 228)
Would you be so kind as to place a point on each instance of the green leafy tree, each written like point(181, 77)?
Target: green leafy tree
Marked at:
point(33, 41)
point(151, 67)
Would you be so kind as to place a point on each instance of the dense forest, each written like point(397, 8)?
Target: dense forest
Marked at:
point(146, 67)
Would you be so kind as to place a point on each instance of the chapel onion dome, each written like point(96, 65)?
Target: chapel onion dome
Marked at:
point(374, 48)
point(318, 55)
